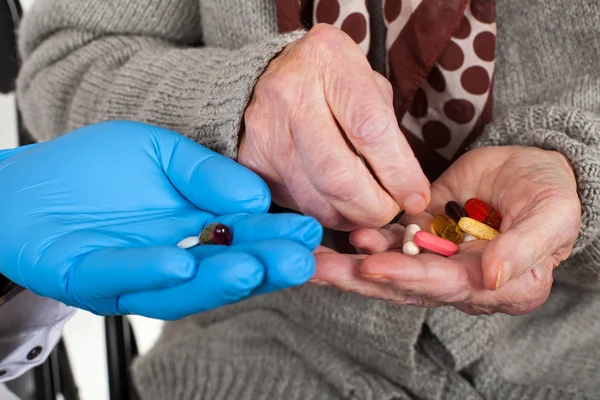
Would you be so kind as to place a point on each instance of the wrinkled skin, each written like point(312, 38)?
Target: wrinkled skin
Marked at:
point(316, 97)
point(535, 190)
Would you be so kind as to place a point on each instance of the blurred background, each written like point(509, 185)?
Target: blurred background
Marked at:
point(84, 333)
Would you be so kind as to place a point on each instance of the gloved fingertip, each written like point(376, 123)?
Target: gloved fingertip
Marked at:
point(313, 233)
point(260, 202)
point(177, 263)
point(242, 272)
point(297, 270)
point(249, 193)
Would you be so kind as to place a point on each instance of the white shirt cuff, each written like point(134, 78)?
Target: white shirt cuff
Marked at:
point(30, 327)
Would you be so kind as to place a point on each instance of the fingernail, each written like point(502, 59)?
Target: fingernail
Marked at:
point(376, 278)
point(414, 203)
point(318, 282)
point(503, 274)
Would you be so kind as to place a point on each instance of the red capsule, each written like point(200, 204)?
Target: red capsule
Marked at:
point(216, 234)
point(483, 212)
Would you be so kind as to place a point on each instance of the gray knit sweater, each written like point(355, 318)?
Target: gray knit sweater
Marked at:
point(190, 65)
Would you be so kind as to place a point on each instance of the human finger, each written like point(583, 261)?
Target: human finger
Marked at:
point(388, 237)
point(368, 119)
point(91, 268)
point(304, 193)
point(342, 272)
point(544, 229)
point(446, 280)
point(372, 241)
point(222, 278)
point(286, 263)
point(249, 228)
point(226, 275)
point(210, 181)
point(336, 171)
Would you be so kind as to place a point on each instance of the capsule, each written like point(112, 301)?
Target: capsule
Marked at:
point(477, 229)
point(409, 247)
point(445, 227)
point(455, 211)
point(483, 212)
point(216, 234)
point(436, 244)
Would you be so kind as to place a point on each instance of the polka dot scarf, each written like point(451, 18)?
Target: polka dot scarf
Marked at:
point(439, 60)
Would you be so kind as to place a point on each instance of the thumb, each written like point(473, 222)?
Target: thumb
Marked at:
point(212, 182)
point(4, 154)
point(521, 247)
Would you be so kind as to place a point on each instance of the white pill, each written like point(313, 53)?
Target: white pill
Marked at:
point(411, 248)
point(189, 242)
point(467, 238)
point(409, 232)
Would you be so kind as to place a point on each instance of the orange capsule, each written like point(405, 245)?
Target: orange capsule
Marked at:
point(483, 212)
point(445, 227)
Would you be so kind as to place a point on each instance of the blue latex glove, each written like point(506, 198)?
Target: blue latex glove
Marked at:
point(92, 219)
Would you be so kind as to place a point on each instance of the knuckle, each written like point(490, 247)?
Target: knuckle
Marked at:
point(280, 85)
point(327, 41)
point(277, 87)
point(324, 35)
point(370, 126)
point(253, 116)
point(339, 183)
point(385, 85)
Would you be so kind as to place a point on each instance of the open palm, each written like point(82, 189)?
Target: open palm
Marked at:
point(535, 190)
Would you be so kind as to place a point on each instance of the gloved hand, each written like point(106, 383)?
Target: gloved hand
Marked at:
point(92, 219)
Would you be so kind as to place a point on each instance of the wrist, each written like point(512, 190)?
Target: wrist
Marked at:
point(563, 160)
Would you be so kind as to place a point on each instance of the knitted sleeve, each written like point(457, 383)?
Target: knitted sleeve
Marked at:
point(86, 61)
point(576, 134)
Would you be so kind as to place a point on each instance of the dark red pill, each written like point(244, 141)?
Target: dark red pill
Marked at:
point(216, 234)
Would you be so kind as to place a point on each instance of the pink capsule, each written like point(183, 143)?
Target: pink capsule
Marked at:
point(436, 244)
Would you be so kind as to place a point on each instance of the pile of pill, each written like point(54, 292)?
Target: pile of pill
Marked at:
point(476, 220)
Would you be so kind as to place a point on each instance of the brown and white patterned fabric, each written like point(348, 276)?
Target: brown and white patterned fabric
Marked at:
point(439, 60)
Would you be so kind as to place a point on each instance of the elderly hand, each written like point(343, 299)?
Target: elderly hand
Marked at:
point(535, 191)
point(316, 96)
point(92, 219)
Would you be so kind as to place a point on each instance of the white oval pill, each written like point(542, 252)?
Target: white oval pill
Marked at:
point(411, 248)
point(189, 242)
point(409, 232)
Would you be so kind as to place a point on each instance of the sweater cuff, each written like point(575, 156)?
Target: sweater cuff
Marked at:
point(575, 134)
point(232, 90)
